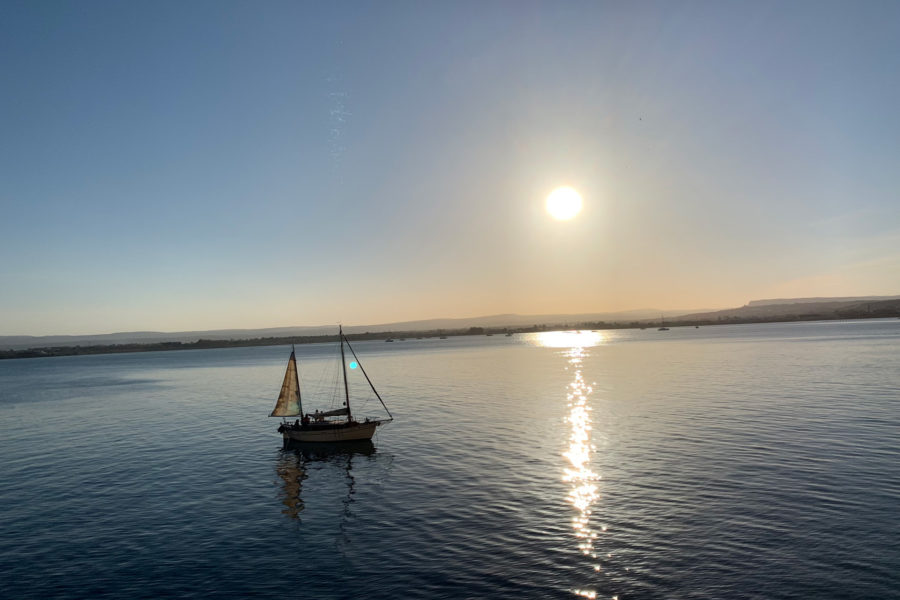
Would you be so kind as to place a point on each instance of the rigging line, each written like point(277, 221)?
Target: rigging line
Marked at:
point(335, 378)
point(344, 368)
point(297, 373)
point(361, 368)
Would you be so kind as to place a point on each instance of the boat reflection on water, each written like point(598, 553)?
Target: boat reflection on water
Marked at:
point(297, 459)
point(291, 468)
point(324, 451)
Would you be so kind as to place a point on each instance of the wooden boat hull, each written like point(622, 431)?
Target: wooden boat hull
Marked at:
point(348, 432)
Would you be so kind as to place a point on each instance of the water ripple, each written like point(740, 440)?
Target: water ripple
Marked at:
point(733, 462)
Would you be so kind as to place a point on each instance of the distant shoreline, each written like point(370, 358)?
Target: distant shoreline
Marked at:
point(203, 344)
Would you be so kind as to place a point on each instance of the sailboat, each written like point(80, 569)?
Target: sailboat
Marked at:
point(337, 425)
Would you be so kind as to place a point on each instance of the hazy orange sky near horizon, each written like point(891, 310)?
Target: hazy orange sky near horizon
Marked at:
point(215, 165)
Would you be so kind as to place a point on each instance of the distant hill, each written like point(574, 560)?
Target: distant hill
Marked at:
point(781, 301)
point(757, 310)
point(514, 320)
point(803, 308)
point(151, 337)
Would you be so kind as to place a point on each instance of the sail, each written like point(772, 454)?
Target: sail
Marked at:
point(288, 404)
point(335, 413)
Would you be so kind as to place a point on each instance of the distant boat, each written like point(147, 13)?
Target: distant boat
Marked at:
point(489, 334)
point(662, 322)
point(389, 340)
point(508, 335)
point(319, 427)
point(443, 337)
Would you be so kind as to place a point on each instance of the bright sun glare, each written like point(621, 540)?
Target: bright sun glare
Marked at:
point(563, 203)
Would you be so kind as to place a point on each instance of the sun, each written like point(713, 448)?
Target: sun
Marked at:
point(563, 203)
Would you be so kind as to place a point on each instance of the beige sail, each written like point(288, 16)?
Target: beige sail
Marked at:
point(288, 404)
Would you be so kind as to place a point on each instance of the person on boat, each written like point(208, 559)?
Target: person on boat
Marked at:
point(297, 424)
point(305, 419)
point(319, 417)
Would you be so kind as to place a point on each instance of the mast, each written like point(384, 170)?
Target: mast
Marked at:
point(344, 367)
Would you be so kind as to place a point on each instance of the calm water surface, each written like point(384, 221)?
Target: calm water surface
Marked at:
point(723, 462)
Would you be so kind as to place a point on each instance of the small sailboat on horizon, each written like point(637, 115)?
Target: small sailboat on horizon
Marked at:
point(321, 426)
point(662, 322)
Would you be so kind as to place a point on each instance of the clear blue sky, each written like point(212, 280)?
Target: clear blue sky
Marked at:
point(200, 165)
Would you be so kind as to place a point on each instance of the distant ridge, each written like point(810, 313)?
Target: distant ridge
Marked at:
point(19, 342)
point(814, 300)
point(754, 311)
point(514, 320)
point(803, 308)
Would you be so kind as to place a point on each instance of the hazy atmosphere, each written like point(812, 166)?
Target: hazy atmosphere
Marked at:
point(201, 165)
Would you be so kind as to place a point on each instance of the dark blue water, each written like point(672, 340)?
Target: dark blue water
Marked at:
point(722, 462)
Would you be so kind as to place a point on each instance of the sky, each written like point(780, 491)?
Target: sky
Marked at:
point(173, 165)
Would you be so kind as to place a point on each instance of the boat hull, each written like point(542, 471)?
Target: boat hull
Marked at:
point(344, 433)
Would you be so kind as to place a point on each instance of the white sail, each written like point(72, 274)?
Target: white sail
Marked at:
point(288, 404)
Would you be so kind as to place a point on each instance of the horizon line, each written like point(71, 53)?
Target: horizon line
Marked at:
point(663, 312)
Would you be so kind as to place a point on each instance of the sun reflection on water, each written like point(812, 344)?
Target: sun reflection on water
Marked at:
point(567, 339)
point(584, 489)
